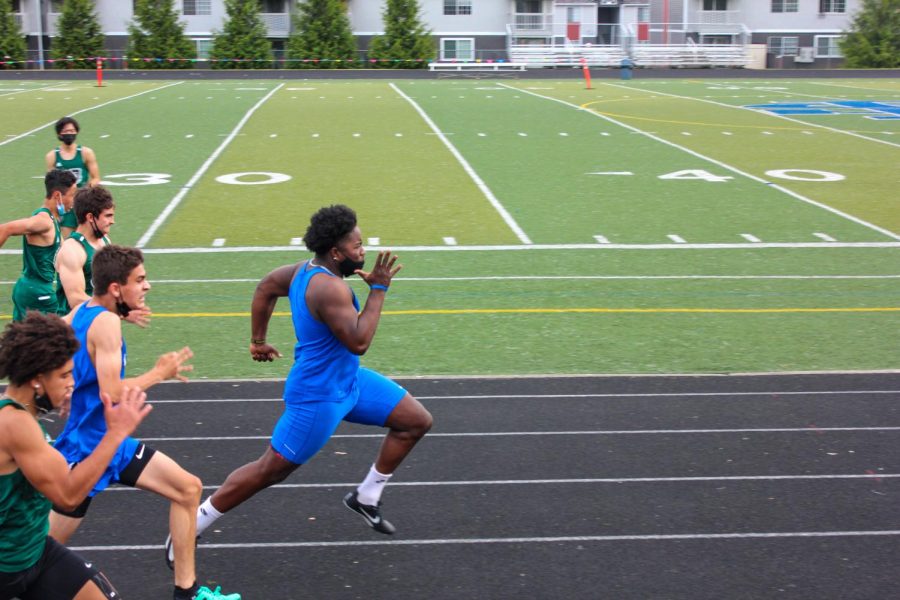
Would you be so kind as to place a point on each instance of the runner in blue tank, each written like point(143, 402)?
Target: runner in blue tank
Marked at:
point(326, 383)
point(120, 285)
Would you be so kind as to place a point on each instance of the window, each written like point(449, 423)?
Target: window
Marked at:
point(459, 49)
point(784, 6)
point(715, 4)
point(828, 46)
point(457, 7)
point(832, 6)
point(56, 6)
point(783, 46)
point(272, 6)
point(643, 14)
point(528, 6)
point(204, 47)
point(197, 7)
point(17, 6)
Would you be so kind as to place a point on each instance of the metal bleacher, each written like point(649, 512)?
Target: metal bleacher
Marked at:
point(536, 56)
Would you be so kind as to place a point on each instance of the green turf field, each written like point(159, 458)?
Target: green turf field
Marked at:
point(651, 226)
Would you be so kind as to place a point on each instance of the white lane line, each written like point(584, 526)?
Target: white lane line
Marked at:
point(731, 168)
point(173, 204)
point(804, 430)
point(504, 247)
point(83, 110)
point(769, 393)
point(510, 540)
point(541, 277)
point(510, 222)
point(804, 123)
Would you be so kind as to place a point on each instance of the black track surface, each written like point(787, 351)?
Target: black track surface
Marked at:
point(726, 487)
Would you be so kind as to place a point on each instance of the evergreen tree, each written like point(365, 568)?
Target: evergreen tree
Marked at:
point(80, 38)
point(406, 44)
point(874, 38)
point(322, 37)
point(242, 44)
point(156, 37)
point(12, 40)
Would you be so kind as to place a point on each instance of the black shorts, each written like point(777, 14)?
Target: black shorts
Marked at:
point(127, 477)
point(57, 575)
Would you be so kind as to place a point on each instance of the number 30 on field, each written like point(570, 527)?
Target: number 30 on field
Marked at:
point(268, 178)
point(791, 174)
point(249, 178)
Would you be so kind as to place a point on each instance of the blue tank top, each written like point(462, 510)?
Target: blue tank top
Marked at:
point(86, 425)
point(324, 369)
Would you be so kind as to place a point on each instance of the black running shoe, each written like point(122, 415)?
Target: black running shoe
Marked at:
point(372, 514)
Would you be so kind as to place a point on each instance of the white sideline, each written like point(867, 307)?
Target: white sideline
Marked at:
point(786, 118)
point(78, 112)
point(173, 204)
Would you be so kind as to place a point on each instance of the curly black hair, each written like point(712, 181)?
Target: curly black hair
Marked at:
point(92, 201)
point(329, 226)
point(36, 345)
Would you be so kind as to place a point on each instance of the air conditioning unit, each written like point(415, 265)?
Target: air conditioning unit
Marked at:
point(805, 55)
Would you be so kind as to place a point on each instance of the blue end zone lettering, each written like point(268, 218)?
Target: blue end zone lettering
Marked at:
point(882, 111)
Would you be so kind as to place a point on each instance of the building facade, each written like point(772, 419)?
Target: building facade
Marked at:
point(795, 33)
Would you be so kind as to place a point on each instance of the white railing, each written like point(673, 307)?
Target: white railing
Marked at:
point(532, 23)
point(718, 17)
point(277, 24)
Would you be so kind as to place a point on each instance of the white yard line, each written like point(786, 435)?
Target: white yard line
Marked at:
point(78, 112)
point(804, 123)
point(173, 204)
point(733, 169)
point(853, 87)
point(504, 214)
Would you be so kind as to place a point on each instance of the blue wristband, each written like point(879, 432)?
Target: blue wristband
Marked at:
point(378, 286)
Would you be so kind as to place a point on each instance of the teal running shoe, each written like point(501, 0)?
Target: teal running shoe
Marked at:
point(204, 593)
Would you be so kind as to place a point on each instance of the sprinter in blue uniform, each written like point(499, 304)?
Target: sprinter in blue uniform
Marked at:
point(121, 285)
point(326, 383)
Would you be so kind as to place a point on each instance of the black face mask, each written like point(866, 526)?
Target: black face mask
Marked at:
point(67, 138)
point(122, 308)
point(97, 233)
point(43, 404)
point(348, 267)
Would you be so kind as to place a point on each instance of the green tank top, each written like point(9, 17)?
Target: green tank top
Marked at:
point(89, 250)
point(75, 165)
point(38, 262)
point(24, 515)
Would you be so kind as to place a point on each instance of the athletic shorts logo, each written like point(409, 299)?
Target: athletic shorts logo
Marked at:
point(140, 453)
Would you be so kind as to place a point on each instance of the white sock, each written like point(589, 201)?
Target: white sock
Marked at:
point(369, 491)
point(206, 516)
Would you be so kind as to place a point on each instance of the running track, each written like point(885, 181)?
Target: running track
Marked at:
point(726, 487)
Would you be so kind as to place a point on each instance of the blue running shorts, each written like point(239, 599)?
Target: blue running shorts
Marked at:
point(304, 427)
